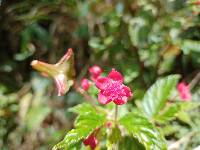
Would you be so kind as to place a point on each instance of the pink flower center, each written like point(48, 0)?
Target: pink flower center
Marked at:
point(114, 90)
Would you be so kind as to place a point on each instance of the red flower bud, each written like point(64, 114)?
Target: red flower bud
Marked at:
point(91, 141)
point(184, 91)
point(95, 71)
point(85, 84)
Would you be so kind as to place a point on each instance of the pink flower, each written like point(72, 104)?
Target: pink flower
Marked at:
point(62, 72)
point(85, 84)
point(95, 71)
point(184, 91)
point(113, 89)
point(91, 141)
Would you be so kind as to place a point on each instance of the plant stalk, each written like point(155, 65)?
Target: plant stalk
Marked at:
point(116, 113)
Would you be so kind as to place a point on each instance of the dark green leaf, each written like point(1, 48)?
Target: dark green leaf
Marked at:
point(129, 143)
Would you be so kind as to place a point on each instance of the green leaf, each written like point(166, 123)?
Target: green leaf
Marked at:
point(140, 128)
point(85, 124)
point(129, 143)
point(36, 115)
point(189, 46)
point(86, 108)
point(82, 108)
point(115, 135)
point(183, 114)
point(156, 96)
point(168, 114)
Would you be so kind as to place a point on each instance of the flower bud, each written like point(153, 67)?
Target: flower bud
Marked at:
point(85, 84)
point(91, 141)
point(95, 71)
point(62, 72)
point(184, 91)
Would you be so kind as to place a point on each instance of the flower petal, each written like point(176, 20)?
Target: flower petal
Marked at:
point(61, 84)
point(185, 96)
point(103, 99)
point(121, 101)
point(115, 75)
point(184, 91)
point(102, 82)
point(127, 90)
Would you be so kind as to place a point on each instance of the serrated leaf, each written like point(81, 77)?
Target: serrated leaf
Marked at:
point(85, 124)
point(82, 108)
point(139, 127)
point(156, 96)
point(86, 108)
point(168, 114)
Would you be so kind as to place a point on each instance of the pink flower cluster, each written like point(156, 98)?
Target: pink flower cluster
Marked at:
point(111, 87)
point(184, 91)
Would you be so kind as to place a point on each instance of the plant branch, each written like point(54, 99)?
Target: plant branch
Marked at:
point(195, 80)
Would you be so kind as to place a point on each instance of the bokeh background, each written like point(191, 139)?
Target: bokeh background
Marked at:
point(144, 39)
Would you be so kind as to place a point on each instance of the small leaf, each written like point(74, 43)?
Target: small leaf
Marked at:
point(184, 117)
point(155, 98)
point(139, 127)
point(169, 113)
point(85, 124)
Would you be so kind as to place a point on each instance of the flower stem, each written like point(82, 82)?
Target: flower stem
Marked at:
point(116, 113)
point(85, 95)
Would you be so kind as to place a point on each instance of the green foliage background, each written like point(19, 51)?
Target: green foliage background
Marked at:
point(144, 39)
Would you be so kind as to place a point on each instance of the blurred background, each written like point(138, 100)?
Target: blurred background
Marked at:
point(144, 39)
